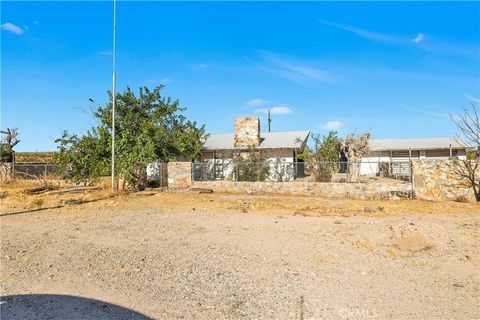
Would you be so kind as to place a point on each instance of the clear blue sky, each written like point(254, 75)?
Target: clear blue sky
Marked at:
point(394, 69)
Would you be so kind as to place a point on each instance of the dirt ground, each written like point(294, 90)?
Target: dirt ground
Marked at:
point(218, 256)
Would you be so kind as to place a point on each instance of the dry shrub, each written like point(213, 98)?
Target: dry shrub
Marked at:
point(391, 252)
point(16, 183)
point(373, 210)
point(38, 203)
point(461, 198)
point(50, 181)
point(364, 244)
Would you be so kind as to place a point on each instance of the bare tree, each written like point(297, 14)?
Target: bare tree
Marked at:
point(9, 141)
point(468, 124)
point(355, 147)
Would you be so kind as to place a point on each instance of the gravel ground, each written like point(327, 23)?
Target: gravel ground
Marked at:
point(164, 263)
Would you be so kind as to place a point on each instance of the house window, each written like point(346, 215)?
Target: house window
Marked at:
point(405, 154)
point(440, 153)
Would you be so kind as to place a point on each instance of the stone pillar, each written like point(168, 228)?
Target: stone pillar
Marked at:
point(6, 170)
point(247, 132)
point(438, 180)
point(179, 175)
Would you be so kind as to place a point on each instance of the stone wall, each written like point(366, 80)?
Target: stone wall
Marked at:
point(247, 132)
point(179, 175)
point(432, 180)
point(436, 180)
point(6, 170)
point(400, 190)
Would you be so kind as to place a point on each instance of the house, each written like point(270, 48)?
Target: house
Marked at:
point(279, 150)
point(223, 154)
point(397, 153)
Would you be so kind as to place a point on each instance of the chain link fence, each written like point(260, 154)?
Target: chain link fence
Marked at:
point(29, 170)
point(34, 170)
point(301, 171)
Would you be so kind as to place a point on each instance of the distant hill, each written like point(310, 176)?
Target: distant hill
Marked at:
point(43, 157)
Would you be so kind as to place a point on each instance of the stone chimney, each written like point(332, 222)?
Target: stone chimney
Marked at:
point(247, 132)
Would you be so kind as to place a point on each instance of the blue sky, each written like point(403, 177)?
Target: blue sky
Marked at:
point(394, 69)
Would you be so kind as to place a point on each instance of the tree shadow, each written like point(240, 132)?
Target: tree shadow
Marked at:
point(51, 306)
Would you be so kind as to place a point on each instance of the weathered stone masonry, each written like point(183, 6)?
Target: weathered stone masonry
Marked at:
point(432, 180)
point(401, 190)
point(179, 175)
point(435, 180)
point(247, 132)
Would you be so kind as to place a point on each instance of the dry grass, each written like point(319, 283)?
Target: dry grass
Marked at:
point(364, 244)
point(26, 194)
point(16, 199)
point(38, 203)
point(392, 252)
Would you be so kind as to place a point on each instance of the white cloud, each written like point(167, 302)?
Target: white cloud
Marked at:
point(165, 80)
point(199, 66)
point(333, 125)
point(36, 23)
point(468, 50)
point(7, 26)
point(371, 35)
point(256, 102)
point(419, 38)
point(436, 112)
point(295, 71)
point(281, 109)
point(469, 97)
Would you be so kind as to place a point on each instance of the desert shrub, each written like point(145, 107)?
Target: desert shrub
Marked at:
point(251, 171)
point(323, 157)
point(38, 203)
point(461, 198)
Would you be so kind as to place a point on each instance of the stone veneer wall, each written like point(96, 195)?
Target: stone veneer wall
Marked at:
point(247, 132)
point(179, 175)
point(6, 170)
point(323, 189)
point(434, 180)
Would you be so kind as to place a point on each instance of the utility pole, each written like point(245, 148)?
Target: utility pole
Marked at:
point(114, 92)
point(269, 121)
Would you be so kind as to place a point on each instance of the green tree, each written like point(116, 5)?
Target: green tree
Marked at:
point(147, 128)
point(322, 158)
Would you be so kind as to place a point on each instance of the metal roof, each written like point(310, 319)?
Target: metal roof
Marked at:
point(415, 144)
point(269, 140)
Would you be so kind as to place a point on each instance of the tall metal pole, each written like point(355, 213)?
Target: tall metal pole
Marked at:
point(269, 121)
point(114, 92)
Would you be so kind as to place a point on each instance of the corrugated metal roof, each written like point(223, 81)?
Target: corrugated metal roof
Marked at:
point(269, 140)
point(414, 144)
